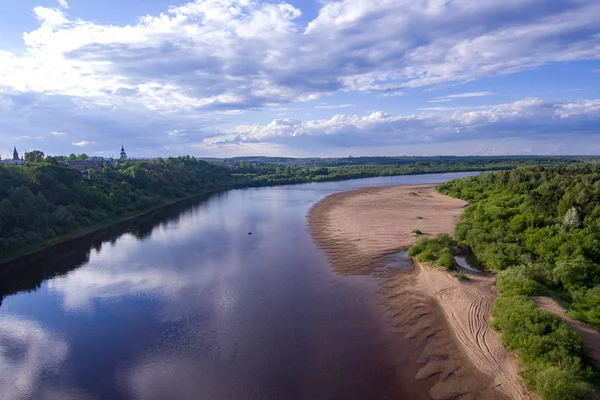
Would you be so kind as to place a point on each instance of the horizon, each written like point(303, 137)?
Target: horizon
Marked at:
point(300, 79)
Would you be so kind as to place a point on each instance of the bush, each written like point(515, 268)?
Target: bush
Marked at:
point(418, 247)
point(555, 383)
point(460, 275)
point(417, 231)
point(514, 282)
point(549, 351)
point(426, 256)
point(446, 260)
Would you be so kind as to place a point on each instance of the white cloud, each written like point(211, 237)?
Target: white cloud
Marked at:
point(236, 54)
point(58, 133)
point(335, 106)
point(468, 95)
point(451, 97)
point(529, 117)
point(63, 3)
point(202, 63)
point(30, 356)
point(83, 143)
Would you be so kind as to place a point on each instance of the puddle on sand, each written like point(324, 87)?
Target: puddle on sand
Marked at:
point(395, 262)
point(462, 263)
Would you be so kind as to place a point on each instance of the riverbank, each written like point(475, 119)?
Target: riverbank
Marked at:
point(448, 318)
point(79, 233)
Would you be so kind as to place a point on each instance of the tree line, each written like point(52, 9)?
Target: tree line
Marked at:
point(42, 200)
point(539, 229)
point(45, 198)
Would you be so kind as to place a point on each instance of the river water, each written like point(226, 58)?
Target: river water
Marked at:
point(185, 304)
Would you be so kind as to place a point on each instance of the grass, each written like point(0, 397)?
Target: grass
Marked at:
point(460, 275)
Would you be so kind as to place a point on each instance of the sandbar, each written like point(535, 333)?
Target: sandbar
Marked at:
point(448, 318)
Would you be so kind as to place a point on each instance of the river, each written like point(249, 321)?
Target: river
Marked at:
point(185, 304)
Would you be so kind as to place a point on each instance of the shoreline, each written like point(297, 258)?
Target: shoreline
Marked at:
point(449, 319)
point(36, 249)
point(50, 243)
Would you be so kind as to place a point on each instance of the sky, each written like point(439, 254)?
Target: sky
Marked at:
point(303, 78)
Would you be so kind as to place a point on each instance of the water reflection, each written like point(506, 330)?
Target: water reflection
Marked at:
point(182, 303)
point(30, 361)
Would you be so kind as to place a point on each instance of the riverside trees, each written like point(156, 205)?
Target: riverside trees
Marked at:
point(42, 200)
point(539, 228)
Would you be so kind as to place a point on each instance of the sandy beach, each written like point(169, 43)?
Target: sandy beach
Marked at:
point(447, 318)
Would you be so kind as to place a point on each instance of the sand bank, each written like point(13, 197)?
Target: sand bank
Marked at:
point(448, 318)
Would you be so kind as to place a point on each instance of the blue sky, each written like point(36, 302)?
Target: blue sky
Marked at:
point(300, 78)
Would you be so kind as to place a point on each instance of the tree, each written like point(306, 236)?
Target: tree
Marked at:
point(571, 219)
point(35, 156)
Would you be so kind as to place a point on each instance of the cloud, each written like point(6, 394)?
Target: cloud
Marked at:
point(444, 99)
point(200, 64)
point(30, 357)
point(63, 3)
point(468, 95)
point(531, 118)
point(239, 54)
point(335, 106)
point(58, 133)
point(83, 143)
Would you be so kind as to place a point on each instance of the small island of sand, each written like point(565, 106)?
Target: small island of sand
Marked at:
point(448, 318)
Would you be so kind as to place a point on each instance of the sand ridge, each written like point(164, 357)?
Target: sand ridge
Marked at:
point(447, 317)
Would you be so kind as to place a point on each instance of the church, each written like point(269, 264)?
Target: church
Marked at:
point(15, 158)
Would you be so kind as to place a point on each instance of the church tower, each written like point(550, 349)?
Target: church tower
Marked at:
point(123, 154)
point(16, 154)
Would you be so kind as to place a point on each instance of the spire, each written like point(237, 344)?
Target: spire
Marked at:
point(15, 154)
point(122, 148)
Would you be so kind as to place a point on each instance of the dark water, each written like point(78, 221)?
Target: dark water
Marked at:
point(184, 304)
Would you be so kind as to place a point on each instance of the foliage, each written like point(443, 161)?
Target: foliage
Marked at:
point(39, 201)
point(549, 351)
point(460, 275)
point(515, 282)
point(435, 251)
point(539, 228)
point(417, 232)
point(542, 223)
point(34, 156)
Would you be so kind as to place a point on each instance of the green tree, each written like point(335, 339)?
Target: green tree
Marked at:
point(35, 156)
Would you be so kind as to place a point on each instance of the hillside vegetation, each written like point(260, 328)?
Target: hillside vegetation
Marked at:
point(40, 201)
point(539, 229)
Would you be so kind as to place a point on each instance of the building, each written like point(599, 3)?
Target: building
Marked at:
point(15, 159)
point(123, 154)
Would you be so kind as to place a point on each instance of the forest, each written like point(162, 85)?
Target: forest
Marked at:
point(45, 199)
point(40, 201)
point(538, 228)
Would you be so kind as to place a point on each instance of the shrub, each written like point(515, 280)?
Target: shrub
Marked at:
point(555, 383)
point(460, 275)
point(514, 282)
point(418, 247)
point(549, 351)
point(446, 260)
point(417, 231)
point(426, 256)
